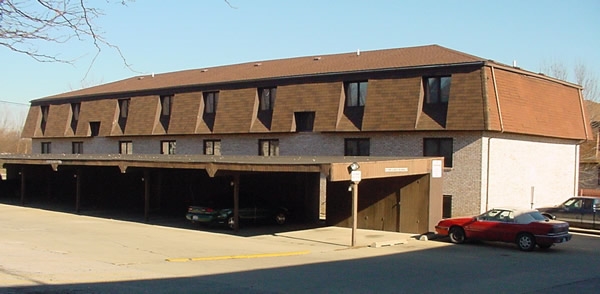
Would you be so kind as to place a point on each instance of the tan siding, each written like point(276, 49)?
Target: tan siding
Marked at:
point(103, 111)
point(59, 117)
point(143, 115)
point(32, 123)
point(427, 123)
point(323, 99)
point(235, 111)
point(465, 107)
point(534, 106)
point(185, 114)
point(392, 104)
point(257, 126)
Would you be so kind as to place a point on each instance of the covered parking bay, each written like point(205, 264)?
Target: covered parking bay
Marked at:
point(396, 194)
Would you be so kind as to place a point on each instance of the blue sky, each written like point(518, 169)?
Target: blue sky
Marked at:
point(164, 36)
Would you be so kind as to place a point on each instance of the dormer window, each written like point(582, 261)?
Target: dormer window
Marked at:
point(75, 107)
point(165, 110)
point(267, 98)
point(45, 109)
point(356, 94)
point(437, 90)
point(210, 102)
point(165, 102)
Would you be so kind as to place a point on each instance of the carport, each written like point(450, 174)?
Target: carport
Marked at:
point(396, 194)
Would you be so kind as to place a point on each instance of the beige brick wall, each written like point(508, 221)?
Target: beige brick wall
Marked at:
point(516, 163)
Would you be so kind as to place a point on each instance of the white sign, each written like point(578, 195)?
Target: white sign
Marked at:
point(355, 176)
point(436, 168)
point(396, 169)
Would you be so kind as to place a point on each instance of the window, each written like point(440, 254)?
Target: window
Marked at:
point(165, 103)
point(304, 121)
point(447, 206)
point(167, 147)
point(75, 115)
point(356, 94)
point(77, 148)
point(357, 147)
point(268, 147)
point(439, 147)
point(45, 109)
point(212, 147)
point(267, 98)
point(123, 108)
point(210, 102)
point(125, 147)
point(123, 113)
point(94, 128)
point(46, 147)
point(165, 111)
point(437, 90)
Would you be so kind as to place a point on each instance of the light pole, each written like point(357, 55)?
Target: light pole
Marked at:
point(355, 177)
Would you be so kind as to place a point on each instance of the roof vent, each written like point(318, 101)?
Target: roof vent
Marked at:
point(204, 70)
point(152, 74)
point(514, 63)
point(317, 58)
point(140, 78)
point(258, 64)
point(357, 52)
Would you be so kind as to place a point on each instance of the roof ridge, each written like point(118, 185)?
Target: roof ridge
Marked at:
point(300, 66)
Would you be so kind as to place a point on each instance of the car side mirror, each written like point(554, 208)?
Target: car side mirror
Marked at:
point(549, 216)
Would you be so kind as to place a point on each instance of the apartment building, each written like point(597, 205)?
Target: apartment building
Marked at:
point(507, 136)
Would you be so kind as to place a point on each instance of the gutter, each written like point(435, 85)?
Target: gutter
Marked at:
point(489, 144)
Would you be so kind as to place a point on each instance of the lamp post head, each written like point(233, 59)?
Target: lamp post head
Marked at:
point(353, 167)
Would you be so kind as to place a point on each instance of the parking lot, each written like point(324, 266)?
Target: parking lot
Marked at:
point(49, 251)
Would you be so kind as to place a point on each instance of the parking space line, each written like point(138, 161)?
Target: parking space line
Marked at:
point(243, 256)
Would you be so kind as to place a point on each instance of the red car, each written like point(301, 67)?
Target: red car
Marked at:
point(526, 228)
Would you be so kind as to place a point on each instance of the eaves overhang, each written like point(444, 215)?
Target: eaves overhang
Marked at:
point(334, 167)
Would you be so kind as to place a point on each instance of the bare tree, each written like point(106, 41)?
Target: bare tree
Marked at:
point(588, 80)
point(589, 156)
point(555, 69)
point(27, 25)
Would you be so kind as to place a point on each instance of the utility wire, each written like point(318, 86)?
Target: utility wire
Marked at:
point(15, 103)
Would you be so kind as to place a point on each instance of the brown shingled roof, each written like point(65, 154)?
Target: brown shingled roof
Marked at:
point(291, 67)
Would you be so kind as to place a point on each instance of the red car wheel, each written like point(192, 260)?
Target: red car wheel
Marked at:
point(526, 242)
point(457, 235)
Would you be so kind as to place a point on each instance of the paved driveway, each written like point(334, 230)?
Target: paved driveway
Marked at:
point(45, 251)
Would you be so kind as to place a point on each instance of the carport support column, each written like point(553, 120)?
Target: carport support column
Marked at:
point(23, 186)
point(146, 195)
point(236, 202)
point(78, 190)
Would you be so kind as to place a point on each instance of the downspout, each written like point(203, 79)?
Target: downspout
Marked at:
point(489, 146)
point(585, 127)
point(497, 100)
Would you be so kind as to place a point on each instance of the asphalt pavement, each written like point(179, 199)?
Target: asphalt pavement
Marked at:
point(43, 251)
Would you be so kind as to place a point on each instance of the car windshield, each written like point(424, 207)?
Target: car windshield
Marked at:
point(503, 215)
point(573, 203)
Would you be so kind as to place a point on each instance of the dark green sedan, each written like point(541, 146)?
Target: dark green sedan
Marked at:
point(251, 210)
